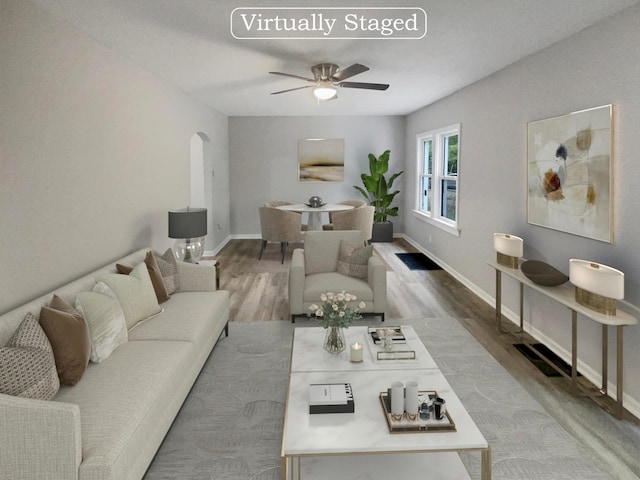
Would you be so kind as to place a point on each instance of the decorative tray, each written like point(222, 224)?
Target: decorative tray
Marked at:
point(420, 425)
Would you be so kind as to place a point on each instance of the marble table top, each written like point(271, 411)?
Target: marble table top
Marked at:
point(309, 356)
point(365, 430)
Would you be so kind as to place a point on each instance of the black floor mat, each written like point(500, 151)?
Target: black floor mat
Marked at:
point(418, 261)
point(540, 364)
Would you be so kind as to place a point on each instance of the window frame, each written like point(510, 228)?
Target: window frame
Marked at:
point(437, 176)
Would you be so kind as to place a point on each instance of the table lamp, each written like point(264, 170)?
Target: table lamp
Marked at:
point(509, 249)
point(597, 286)
point(189, 227)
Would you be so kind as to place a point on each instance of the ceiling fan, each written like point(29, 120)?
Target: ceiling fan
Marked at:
point(328, 76)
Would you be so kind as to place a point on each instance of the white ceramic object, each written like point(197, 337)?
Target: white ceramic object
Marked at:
point(597, 278)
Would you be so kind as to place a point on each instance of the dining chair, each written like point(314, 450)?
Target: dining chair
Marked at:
point(353, 203)
point(279, 226)
point(360, 218)
point(275, 203)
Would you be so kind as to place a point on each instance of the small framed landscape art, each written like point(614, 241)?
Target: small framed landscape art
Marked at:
point(569, 173)
point(321, 160)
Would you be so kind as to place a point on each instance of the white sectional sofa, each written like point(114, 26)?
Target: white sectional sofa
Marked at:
point(110, 425)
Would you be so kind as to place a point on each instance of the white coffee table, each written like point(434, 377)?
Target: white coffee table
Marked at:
point(308, 355)
point(359, 445)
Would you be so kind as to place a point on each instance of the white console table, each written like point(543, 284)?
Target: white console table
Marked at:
point(565, 295)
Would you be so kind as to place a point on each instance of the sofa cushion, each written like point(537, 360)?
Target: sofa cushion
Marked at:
point(127, 404)
point(27, 365)
point(353, 261)
point(68, 334)
point(169, 270)
point(319, 283)
point(135, 293)
point(105, 318)
point(188, 317)
point(154, 273)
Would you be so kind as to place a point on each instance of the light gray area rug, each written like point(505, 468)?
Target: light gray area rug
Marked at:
point(230, 427)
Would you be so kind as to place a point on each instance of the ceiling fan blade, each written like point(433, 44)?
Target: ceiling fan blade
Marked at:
point(293, 76)
point(354, 69)
point(368, 86)
point(291, 89)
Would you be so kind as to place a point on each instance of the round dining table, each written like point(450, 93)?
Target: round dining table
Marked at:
point(315, 213)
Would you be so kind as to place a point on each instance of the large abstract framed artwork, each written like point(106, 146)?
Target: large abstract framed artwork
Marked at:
point(321, 160)
point(569, 173)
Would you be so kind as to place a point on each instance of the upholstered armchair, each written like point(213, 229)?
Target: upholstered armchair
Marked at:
point(280, 226)
point(353, 203)
point(360, 218)
point(333, 261)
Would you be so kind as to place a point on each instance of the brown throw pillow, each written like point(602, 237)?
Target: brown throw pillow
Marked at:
point(354, 261)
point(155, 274)
point(68, 334)
point(27, 366)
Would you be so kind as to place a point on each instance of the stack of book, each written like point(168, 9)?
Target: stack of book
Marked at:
point(395, 332)
point(331, 398)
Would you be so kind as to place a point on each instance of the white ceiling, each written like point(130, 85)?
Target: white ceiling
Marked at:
point(188, 43)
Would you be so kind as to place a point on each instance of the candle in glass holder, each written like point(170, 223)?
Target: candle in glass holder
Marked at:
point(356, 352)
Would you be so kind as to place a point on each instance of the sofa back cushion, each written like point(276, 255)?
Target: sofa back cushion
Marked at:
point(9, 321)
point(322, 248)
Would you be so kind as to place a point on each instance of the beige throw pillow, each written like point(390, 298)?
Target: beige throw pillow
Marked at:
point(135, 294)
point(27, 365)
point(69, 336)
point(354, 261)
point(154, 273)
point(107, 325)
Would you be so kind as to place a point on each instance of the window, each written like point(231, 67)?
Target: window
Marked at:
point(438, 164)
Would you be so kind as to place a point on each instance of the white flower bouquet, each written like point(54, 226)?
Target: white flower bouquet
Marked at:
point(335, 310)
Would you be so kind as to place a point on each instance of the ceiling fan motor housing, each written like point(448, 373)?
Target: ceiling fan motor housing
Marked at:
point(324, 71)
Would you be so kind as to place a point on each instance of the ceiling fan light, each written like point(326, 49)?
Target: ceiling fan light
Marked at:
point(325, 92)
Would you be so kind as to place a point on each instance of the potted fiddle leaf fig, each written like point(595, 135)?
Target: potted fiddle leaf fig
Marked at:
point(377, 191)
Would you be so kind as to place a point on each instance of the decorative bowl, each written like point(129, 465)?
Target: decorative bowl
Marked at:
point(315, 202)
point(543, 273)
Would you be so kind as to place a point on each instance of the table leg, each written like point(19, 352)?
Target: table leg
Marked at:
point(619, 379)
point(486, 464)
point(499, 300)
point(315, 221)
point(605, 359)
point(521, 307)
point(574, 351)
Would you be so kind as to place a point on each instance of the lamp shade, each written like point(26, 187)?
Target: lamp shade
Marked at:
point(508, 244)
point(596, 278)
point(188, 223)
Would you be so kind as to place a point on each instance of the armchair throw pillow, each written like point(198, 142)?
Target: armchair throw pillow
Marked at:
point(27, 365)
point(354, 261)
point(68, 334)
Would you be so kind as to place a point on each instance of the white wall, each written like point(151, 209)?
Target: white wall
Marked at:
point(598, 66)
point(94, 151)
point(263, 154)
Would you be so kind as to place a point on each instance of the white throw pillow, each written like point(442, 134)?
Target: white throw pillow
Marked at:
point(105, 318)
point(135, 293)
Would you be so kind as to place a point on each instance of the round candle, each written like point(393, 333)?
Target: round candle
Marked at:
point(356, 352)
